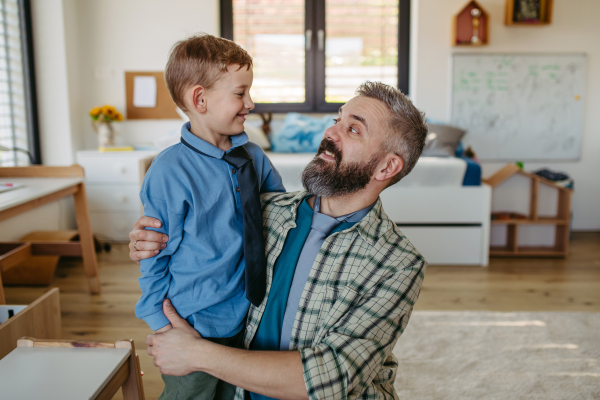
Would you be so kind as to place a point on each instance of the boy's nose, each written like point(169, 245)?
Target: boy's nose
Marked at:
point(249, 104)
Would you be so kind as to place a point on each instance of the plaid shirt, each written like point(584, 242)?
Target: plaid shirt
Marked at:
point(355, 305)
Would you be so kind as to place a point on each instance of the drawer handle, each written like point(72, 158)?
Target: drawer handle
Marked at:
point(121, 170)
point(121, 198)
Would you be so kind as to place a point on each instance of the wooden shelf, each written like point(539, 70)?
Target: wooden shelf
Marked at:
point(464, 25)
point(551, 221)
point(562, 219)
point(527, 252)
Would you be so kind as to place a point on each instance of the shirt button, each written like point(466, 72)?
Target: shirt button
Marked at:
point(237, 189)
point(280, 229)
point(249, 327)
point(233, 170)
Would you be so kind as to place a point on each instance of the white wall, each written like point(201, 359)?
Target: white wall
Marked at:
point(52, 81)
point(574, 29)
point(134, 35)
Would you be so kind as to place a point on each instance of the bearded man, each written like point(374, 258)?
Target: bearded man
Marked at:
point(342, 279)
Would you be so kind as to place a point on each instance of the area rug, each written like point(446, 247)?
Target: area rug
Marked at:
point(497, 355)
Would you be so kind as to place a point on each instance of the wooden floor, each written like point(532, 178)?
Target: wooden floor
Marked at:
point(571, 284)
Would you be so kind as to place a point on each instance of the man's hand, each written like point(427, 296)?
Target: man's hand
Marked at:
point(164, 329)
point(172, 350)
point(145, 243)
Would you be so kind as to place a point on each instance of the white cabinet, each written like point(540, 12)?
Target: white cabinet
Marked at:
point(113, 182)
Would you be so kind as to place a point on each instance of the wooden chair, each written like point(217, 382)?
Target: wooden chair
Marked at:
point(64, 369)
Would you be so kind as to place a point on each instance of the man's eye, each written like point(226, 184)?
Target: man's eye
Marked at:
point(353, 130)
point(335, 121)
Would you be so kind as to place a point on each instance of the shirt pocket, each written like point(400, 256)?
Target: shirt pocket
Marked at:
point(337, 302)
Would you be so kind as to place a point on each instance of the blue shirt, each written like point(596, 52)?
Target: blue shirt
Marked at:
point(291, 272)
point(202, 268)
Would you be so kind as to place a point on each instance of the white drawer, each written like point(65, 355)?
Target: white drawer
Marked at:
point(446, 245)
point(112, 170)
point(113, 226)
point(113, 197)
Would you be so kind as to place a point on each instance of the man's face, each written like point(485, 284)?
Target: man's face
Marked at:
point(351, 150)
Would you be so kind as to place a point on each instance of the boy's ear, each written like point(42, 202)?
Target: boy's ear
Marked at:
point(197, 98)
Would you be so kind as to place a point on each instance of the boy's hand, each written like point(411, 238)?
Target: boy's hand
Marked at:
point(145, 243)
point(164, 328)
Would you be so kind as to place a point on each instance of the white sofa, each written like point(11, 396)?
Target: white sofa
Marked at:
point(448, 223)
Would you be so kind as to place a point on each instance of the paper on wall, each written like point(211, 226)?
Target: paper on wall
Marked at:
point(144, 91)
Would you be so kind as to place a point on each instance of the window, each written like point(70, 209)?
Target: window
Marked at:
point(310, 55)
point(19, 140)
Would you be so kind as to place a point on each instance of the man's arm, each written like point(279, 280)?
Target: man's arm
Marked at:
point(349, 359)
point(181, 351)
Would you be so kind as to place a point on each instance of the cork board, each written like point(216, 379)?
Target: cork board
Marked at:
point(165, 107)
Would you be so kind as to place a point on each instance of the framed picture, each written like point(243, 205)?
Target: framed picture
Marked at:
point(527, 11)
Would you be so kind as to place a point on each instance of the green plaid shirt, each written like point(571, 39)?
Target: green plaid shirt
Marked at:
point(356, 302)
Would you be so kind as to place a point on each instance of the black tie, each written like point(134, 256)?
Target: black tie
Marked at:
point(254, 245)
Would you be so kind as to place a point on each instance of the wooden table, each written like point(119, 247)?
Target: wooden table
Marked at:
point(43, 185)
point(65, 370)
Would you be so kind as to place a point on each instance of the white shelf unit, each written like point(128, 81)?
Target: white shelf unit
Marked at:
point(113, 182)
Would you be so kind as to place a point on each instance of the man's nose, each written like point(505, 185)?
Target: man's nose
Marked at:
point(332, 133)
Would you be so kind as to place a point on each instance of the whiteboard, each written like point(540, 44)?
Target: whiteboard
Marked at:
point(520, 107)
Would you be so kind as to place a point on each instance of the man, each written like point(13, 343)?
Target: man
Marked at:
point(342, 280)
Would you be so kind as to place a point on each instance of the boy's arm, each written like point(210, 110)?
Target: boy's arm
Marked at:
point(271, 180)
point(156, 278)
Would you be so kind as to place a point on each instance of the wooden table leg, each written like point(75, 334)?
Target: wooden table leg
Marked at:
point(88, 252)
point(2, 298)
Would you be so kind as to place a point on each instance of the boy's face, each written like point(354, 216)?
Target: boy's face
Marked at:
point(228, 101)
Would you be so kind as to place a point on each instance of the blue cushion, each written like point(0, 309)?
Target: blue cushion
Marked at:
point(300, 133)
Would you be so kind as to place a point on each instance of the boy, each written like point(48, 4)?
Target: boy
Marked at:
point(205, 190)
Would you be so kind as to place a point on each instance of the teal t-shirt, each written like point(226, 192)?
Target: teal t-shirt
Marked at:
point(268, 335)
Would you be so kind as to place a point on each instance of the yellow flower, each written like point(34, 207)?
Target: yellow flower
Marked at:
point(109, 111)
point(94, 112)
point(118, 116)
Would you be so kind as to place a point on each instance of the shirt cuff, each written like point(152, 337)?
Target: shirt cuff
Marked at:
point(157, 320)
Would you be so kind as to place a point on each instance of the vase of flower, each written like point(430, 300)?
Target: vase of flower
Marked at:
point(102, 119)
point(106, 134)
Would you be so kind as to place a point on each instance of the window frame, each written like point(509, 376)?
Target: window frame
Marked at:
point(315, 59)
point(33, 130)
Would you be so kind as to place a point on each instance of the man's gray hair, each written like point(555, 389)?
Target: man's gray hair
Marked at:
point(407, 127)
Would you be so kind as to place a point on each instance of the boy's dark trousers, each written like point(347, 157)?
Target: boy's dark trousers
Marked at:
point(200, 385)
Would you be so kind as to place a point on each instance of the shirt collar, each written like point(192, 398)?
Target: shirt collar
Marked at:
point(207, 148)
point(370, 227)
point(351, 217)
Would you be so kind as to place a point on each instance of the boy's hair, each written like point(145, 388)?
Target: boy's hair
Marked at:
point(201, 60)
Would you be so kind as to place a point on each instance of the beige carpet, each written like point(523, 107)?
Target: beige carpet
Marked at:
point(493, 355)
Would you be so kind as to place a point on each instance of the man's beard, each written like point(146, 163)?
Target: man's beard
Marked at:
point(333, 179)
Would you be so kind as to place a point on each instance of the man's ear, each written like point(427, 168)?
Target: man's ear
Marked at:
point(196, 97)
point(391, 166)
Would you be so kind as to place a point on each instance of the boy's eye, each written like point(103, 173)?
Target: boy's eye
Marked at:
point(336, 120)
point(240, 94)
